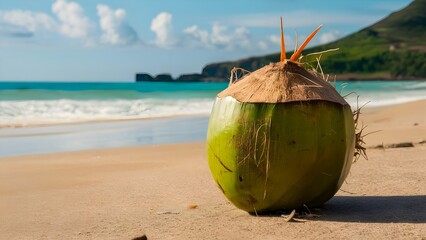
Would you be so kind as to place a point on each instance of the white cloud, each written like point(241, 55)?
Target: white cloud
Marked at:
point(262, 45)
point(289, 41)
point(20, 23)
point(70, 20)
point(219, 37)
point(162, 27)
point(198, 36)
point(275, 39)
point(329, 37)
point(74, 23)
point(116, 30)
point(241, 37)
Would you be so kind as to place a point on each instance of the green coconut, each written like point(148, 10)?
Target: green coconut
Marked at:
point(280, 138)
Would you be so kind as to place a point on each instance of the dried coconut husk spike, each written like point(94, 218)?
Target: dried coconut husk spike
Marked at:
point(285, 81)
point(296, 55)
point(283, 57)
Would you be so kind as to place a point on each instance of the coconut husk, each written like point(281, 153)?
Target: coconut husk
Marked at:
point(282, 82)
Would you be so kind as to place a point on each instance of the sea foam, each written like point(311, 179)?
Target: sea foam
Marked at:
point(35, 112)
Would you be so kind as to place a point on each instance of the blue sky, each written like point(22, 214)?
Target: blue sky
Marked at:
point(76, 40)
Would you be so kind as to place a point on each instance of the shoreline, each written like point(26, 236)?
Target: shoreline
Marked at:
point(101, 121)
point(384, 125)
point(395, 124)
point(82, 122)
point(101, 135)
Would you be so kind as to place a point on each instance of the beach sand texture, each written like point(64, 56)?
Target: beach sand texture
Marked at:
point(167, 192)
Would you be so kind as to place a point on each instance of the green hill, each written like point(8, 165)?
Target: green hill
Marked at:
point(393, 48)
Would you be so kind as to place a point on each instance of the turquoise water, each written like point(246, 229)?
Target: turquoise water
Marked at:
point(101, 90)
point(32, 103)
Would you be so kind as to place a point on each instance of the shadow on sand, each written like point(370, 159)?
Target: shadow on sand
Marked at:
point(375, 209)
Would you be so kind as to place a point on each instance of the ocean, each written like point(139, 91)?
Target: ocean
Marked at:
point(42, 117)
point(36, 103)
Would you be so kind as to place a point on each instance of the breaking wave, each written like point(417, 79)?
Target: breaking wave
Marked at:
point(34, 112)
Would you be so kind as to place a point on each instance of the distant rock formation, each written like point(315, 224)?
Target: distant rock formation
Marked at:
point(144, 77)
point(164, 78)
point(193, 77)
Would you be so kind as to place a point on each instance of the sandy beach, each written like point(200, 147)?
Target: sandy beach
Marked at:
point(167, 192)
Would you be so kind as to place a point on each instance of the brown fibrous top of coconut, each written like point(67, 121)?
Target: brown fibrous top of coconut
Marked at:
point(282, 82)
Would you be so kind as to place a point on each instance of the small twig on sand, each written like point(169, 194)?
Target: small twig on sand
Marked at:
point(290, 217)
